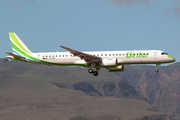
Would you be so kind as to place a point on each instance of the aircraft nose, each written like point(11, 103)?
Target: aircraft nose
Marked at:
point(173, 59)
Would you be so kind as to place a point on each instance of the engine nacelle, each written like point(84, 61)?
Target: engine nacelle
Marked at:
point(117, 69)
point(109, 62)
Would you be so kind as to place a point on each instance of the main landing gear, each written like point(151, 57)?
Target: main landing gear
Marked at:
point(95, 73)
point(157, 70)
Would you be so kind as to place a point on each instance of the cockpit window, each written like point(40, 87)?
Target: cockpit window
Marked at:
point(164, 53)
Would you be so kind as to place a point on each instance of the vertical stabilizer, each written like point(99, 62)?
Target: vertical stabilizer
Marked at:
point(18, 46)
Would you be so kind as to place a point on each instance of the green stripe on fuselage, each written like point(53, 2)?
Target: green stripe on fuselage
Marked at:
point(46, 62)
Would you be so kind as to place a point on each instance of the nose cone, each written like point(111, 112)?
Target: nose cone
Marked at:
point(171, 58)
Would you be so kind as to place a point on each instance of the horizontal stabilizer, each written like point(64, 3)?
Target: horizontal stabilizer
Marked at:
point(14, 55)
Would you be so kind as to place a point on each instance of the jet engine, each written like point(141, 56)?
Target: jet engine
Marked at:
point(109, 62)
point(116, 69)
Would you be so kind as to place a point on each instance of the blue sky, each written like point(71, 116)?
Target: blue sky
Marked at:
point(91, 25)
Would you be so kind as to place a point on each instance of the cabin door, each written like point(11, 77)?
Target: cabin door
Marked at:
point(155, 55)
point(38, 57)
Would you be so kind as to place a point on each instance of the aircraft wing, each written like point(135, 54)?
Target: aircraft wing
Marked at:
point(82, 55)
point(12, 54)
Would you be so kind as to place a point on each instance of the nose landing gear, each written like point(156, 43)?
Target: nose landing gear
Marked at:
point(157, 70)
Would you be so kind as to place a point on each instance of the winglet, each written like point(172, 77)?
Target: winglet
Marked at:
point(66, 48)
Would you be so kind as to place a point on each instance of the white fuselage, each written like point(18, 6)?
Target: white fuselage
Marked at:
point(123, 57)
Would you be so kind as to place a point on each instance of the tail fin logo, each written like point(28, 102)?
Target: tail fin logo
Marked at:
point(18, 46)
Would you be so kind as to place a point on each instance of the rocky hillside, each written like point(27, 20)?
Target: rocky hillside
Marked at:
point(29, 91)
point(119, 89)
point(161, 89)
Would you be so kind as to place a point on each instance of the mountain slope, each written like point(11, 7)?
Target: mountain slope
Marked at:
point(162, 89)
point(29, 91)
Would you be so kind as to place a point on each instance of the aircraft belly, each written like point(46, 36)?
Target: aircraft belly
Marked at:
point(78, 61)
point(62, 61)
point(141, 60)
point(147, 60)
point(125, 60)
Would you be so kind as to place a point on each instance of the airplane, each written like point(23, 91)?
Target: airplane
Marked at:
point(113, 61)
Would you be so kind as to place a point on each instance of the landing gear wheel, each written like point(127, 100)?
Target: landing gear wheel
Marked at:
point(95, 73)
point(156, 70)
point(90, 70)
